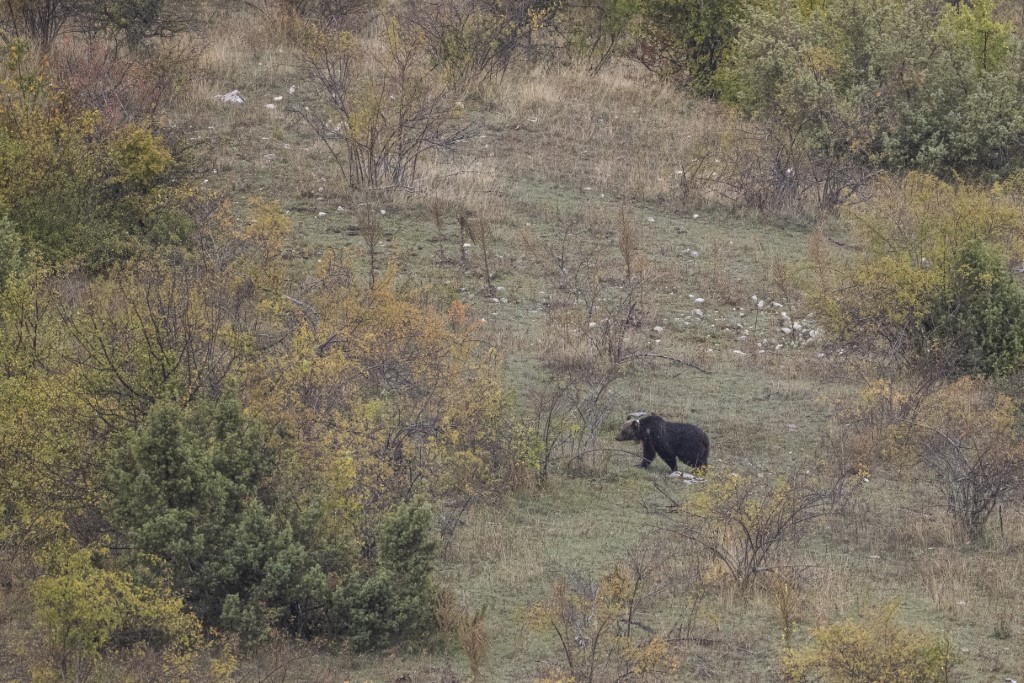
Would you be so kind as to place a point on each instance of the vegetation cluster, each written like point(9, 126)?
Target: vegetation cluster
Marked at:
point(227, 431)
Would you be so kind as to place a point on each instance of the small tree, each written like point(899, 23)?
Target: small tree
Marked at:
point(596, 624)
point(378, 104)
point(747, 523)
point(87, 610)
point(966, 436)
point(398, 598)
point(688, 40)
point(188, 489)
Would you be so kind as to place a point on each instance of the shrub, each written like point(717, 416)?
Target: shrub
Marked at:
point(960, 436)
point(134, 22)
point(876, 648)
point(966, 436)
point(747, 524)
point(596, 624)
point(688, 40)
point(74, 188)
point(10, 251)
point(379, 105)
point(86, 609)
point(190, 489)
point(890, 85)
point(933, 283)
point(397, 598)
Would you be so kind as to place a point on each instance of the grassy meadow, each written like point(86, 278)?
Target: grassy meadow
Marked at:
point(559, 158)
point(610, 260)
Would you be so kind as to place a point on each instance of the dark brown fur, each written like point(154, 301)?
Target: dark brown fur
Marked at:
point(674, 442)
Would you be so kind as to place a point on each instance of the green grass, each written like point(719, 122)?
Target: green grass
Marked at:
point(765, 410)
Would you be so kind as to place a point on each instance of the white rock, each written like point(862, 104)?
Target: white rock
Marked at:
point(270, 105)
point(698, 300)
point(322, 214)
point(738, 352)
point(291, 90)
point(659, 328)
point(699, 313)
point(233, 97)
point(760, 304)
point(650, 219)
point(467, 245)
point(696, 215)
point(786, 330)
point(278, 98)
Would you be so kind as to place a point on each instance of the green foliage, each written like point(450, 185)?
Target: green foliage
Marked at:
point(688, 40)
point(876, 648)
point(933, 284)
point(397, 599)
point(190, 489)
point(982, 312)
point(86, 609)
point(72, 186)
point(597, 30)
point(10, 251)
point(892, 85)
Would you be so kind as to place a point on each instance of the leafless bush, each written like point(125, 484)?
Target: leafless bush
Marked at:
point(333, 14)
point(480, 231)
point(749, 523)
point(475, 39)
point(379, 104)
point(372, 231)
point(768, 170)
point(597, 624)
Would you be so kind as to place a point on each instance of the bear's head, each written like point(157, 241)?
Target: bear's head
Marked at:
point(631, 430)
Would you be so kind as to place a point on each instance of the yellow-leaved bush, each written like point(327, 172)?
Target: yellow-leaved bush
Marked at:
point(87, 610)
point(931, 285)
point(874, 648)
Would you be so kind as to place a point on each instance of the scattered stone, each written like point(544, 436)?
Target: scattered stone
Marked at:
point(233, 97)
